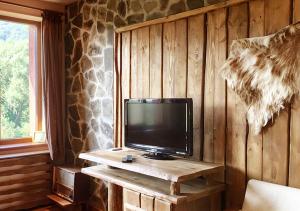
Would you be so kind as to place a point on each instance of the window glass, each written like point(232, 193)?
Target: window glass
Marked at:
point(14, 80)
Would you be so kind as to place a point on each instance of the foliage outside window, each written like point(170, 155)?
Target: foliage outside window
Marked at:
point(17, 66)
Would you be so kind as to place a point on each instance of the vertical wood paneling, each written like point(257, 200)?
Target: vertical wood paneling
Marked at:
point(182, 62)
point(134, 65)
point(276, 136)
point(156, 61)
point(168, 59)
point(215, 88)
point(140, 81)
point(255, 142)
point(196, 47)
point(294, 178)
point(143, 62)
point(117, 92)
point(277, 15)
point(175, 59)
point(115, 197)
point(125, 74)
point(236, 118)
point(126, 45)
point(296, 11)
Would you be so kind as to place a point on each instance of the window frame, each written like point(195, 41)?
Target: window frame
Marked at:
point(36, 115)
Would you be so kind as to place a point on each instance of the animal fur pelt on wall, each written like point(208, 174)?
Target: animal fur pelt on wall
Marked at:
point(263, 71)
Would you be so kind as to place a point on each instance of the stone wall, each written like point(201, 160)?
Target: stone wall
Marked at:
point(89, 68)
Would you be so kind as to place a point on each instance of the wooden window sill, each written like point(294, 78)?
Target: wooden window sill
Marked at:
point(23, 149)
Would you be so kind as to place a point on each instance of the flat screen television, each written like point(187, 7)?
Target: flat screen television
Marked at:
point(162, 127)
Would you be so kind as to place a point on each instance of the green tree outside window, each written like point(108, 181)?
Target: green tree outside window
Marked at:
point(14, 80)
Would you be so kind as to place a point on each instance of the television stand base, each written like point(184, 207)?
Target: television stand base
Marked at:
point(158, 156)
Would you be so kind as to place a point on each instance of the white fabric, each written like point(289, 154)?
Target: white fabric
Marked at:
point(263, 196)
point(263, 71)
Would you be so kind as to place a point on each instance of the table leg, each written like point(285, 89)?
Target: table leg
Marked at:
point(175, 188)
point(115, 197)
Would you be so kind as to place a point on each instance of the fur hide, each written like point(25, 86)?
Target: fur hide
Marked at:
point(263, 71)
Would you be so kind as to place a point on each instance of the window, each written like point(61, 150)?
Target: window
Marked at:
point(20, 80)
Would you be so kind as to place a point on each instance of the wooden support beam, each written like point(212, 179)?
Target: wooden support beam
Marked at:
point(115, 197)
point(175, 188)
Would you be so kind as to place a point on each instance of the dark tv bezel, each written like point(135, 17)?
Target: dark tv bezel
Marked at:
point(157, 149)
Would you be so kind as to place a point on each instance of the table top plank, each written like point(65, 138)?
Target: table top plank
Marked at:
point(177, 170)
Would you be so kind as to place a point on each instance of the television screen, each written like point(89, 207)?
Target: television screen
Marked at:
point(160, 125)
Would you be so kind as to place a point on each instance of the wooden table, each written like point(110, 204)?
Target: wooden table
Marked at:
point(175, 181)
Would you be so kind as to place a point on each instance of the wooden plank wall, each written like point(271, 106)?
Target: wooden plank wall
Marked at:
point(25, 182)
point(294, 170)
point(255, 142)
point(182, 59)
point(237, 25)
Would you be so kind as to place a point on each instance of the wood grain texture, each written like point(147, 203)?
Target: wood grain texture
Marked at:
point(125, 76)
point(294, 171)
point(178, 16)
point(10, 150)
point(255, 142)
point(115, 197)
point(7, 204)
point(131, 198)
point(147, 202)
point(156, 61)
point(117, 91)
point(18, 205)
point(21, 12)
point(24, 178)
point(162, 205)
point(215, 88)
point(216, 202)
point(60, 201)
point(140, 81)
point(167, 170)
point(273, 155)
point(296, 11)
point(41, 5)
point(196, 205)
point(277, 15)
point(154, 187)
point(236, 118)
point(26, 170)
point(175, 188)
point(23, 154)
point(196, 47)
point(118, 141)
point(27, 160)
point(24, 181)
point(276, 135)
point(126, 46)
point(175, 59)
point(23, 187)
